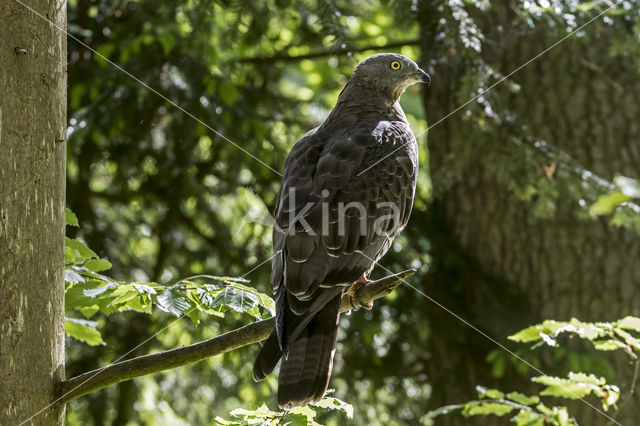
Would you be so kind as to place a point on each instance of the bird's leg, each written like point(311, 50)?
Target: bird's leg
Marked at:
point(353, 293)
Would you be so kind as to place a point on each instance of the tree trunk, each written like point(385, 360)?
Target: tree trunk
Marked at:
point(584, 102)
point(32, 216)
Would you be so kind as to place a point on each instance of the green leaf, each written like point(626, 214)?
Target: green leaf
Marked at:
point(557, 416)
point(141, 303)
point(72, 276)
point(528, 418)
point(489, 393)
point(122, 298)
point(173, 302)
point(144, 288)
point(336, 404)
point(202, 300)
point(305, 410)
point(295, 419)
point(261, 412)
point(98, 265)
point(99, 290)
point(194, 315)
point(628, 338)
point(236, 299)
point(476, 408)
point(74, 297)
point(608, 345)
point(562, 387)
point(263, 300)
point(629, 323)
point(83, 330)
point(532, 334)
point(83, 251)
point(69, 256)
point(588, 379)
point(577, 386)
point(605, 204)
point(523, 399)
point(548, 330)
point(629, 187)
point(70, 218)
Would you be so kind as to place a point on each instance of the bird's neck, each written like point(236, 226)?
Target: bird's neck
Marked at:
point(359, 102)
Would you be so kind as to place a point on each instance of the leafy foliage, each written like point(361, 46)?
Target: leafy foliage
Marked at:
point(527, 410)
point(621, 203)
point(530, 409)
point(83, 330)
point(88, 292)
point(297, 416)
point(605, 336)
point(579, 385)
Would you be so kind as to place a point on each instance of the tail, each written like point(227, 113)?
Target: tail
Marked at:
point(305, 371)
point(268, 357)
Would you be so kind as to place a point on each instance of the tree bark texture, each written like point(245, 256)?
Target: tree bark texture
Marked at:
point(32, 215)
point(579, 99)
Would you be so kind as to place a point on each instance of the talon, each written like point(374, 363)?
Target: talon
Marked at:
point(353, 294)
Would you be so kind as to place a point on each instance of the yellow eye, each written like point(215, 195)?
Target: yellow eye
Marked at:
point(395, 65)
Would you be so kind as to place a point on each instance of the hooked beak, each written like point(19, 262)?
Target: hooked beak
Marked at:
point(423, 77)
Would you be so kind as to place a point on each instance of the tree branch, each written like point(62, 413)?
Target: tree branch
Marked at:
point(321, 53)
point(243, 336)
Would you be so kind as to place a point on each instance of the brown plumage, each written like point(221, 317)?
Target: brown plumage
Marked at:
point(321, 243)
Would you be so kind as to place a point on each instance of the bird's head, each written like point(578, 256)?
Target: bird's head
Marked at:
point(390, 73)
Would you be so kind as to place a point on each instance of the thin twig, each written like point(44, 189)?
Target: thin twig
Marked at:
point(243, 336)
point(629, 396)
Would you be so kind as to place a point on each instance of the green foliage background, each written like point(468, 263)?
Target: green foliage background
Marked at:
point(163, 197)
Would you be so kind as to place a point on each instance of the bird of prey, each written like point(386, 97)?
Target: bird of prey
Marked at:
point(347, 190)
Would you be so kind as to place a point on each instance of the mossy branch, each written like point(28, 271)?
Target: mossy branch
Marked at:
point(147, 364)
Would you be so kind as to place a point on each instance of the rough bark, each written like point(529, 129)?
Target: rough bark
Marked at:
point(32, 194)
point(584, 102)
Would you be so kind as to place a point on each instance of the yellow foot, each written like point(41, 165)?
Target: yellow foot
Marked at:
point(353, 293)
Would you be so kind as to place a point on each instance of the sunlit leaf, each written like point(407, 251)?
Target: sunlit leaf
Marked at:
point(99, 290)
point(523, 399)
point(173, 302)
point(98, 265)
point(73, 277)
point(629, 323)
point(336, 404)
point(485, 408)
point(606, 203)
point(629, 187)
point(83, 251)
point(70, 218)
point(528, 418)
point(83, 330)
point(144, 288)
point(576, 386)
point(608, 345)
point(489, 393)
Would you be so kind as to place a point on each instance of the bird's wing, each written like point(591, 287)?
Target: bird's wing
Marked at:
point(315, 258)
point(322, 181)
